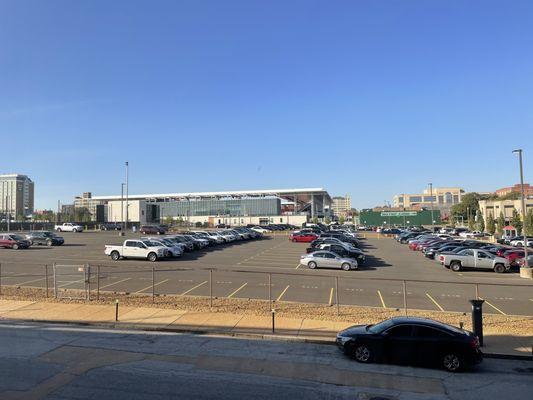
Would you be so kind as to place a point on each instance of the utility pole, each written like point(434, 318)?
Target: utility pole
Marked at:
point(8, 213)
point(525, 271)
point(127, 199)
point(122, 229)
point(431, 198)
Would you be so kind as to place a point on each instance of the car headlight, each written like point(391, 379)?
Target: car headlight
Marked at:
point(343, 339)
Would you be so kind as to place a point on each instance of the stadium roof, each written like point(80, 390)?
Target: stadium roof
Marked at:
point(303, 194)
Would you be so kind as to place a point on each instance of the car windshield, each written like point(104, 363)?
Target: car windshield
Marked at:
point(150, 243)
point(380, 327)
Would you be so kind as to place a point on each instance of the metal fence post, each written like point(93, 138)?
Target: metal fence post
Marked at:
point(88, 269)
point(153, 284)
point(404, 297)
point(211, 288)
point(337, 294)
point(98, 282)
point(269, 290)
point(55, 281)
point(46, 278)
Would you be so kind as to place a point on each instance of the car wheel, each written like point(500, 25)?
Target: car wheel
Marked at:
point(294, 240)
point(152, 257)
point(311, 264)
point(115, 256)
point(499, 268)
point(49, 243)
point(362, 354)
point(455, 266)
point(451, 362)
point(159, 233)
point(346, 266)
point(58, 229)
point(74, 230)
point(15, 247)
point(144, 233)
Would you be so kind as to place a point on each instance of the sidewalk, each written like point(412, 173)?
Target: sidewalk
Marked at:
point(174, 320)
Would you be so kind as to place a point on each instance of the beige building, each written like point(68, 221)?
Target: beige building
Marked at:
point(86, 201)
point(16, 195)
point(341, 205)
point(495, 207)
point(443, 199)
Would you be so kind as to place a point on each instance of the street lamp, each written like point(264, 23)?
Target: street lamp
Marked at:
point(127, 198)
point(431, 199)
point(122, 230)
point(525, 271)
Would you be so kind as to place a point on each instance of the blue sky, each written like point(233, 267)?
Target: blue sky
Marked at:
point(370, 98)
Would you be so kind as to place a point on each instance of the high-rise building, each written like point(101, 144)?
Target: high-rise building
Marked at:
point(341, 205)
point(16, 195)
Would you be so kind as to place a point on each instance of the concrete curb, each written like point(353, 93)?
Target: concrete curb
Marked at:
point(273, 337)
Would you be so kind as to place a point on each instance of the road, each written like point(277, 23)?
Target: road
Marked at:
point(243, 270)
point(56, 362)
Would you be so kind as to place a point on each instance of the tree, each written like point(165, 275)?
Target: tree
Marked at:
point(516, 222)
point(501, 223)
point(491, 226)
point(480, 222)
point(327, 221)
point(315, 220)
point(468, 206)
point(471, 224)
point(168, 221)
point(342, 220)
point(528, 223)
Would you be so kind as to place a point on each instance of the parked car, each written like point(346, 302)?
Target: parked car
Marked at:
point(514, 256)
point(520, 242)
point(137, 249)
point(152, 230)
point(476, 259)
point(412, 341)
point(110, 226)
point(328, 259)
point(174, 249)
point(340, 250)
point(302, 237)
point(45, 238)
point(521, 262)
point(68, 227)
point(188, 245)
point(13, 241)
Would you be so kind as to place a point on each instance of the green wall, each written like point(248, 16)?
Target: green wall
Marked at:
point(379, 218)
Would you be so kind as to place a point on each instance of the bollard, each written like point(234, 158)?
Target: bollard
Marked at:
point(477, 319)
point(116, 310)
point(273, 320)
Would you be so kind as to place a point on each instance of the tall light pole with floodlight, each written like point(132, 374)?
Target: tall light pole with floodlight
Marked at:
point(525, 271)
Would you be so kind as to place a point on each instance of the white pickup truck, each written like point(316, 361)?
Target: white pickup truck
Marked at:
point(475, 259)
point(137, 249)
point(69, 227)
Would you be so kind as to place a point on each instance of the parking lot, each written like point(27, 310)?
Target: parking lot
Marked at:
point(260, 269)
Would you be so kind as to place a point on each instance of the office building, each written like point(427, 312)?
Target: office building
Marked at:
point(16, 195)
point(528, 190)
point(441, 199)
point(341, 205)
point(506, 207)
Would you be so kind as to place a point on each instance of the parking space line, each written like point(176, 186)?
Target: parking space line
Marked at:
point(115, 283)
point(149, 287)
point(282, 293)
point(194, 287)
point(493, 306)
point(71, 283)
point(331, 296)
point(435, 302)
point(381, 298)
point(25, 283)
point(231, 295)
point(298, 266)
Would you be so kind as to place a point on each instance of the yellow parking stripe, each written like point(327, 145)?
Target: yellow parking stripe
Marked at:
point(191, 289)
point(282, 293)
point(381, 298)
point(435, 302)
point(331, 296)
point(493, 306)
point(231, 295)
point(149, 287)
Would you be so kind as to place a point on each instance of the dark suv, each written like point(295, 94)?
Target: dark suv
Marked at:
point(45, 238)
point(152, 230)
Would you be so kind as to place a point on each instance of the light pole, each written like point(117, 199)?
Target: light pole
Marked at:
point(122, 230)
point(431, 199)
point(525, 271)
point(127, 198)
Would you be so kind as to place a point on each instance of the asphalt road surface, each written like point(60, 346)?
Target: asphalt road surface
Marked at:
point(242, 269)
point(56, 362)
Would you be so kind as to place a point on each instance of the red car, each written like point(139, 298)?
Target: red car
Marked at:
point(15, 242)
point(303, 237)
point(514, 256)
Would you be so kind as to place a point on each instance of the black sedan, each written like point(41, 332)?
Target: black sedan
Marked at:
point(411, 341)
point(45, 238)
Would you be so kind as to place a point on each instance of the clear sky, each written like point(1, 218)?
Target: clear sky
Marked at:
point(370, 98)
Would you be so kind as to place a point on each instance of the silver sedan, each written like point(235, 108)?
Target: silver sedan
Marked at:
point(328, 259)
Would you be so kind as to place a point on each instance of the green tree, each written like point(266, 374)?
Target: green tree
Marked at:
point(327, 221)
point(168, 221)
point(528, 223)
point(471, 223)
point(491, 226)
point(315, 220)
point(480, 222)
point(516, 222)
point(342, 220)
point(469, 205)
point(501, 223)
